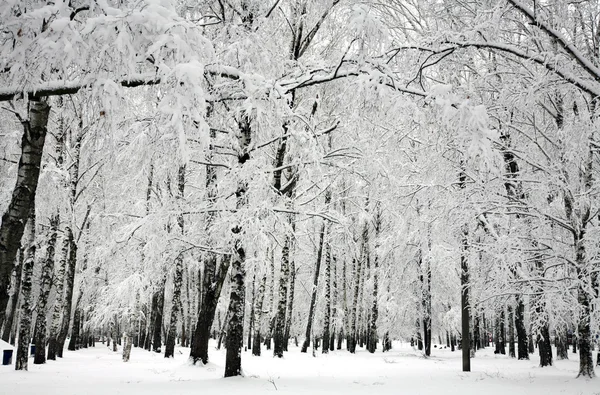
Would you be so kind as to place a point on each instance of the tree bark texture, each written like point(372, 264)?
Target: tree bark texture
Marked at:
point(23, 195)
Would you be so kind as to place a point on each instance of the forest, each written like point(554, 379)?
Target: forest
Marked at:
point(223, 180)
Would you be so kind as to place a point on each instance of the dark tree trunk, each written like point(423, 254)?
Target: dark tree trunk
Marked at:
point(211, 291)
point(252, 311)
point(258, 318)
point(75, 334)
point(26, 313)
point(313, 299)
point(511, 332)
point(521, 331)
point(351, 336)
point(426, 300)
point(235, 331)
point(158, 318)
point(372, 344)
point(14, 299)
point(58, 301)
point(586, 362)
point(544, 346)
point(68, 289)
point(327, 313)
point(562, 348)
point(344, 306)
point(290, 303)
point(272, 315)
point(23, 195)
point(476, 340)
point(39, 333)
point(178, 276)
point(464, 303)
point(500, 335)
point(282, 303)
point(334, 322)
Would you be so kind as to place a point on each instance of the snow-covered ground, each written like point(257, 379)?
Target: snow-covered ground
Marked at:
point(402, 371)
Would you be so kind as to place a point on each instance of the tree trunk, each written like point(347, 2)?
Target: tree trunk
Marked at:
point(22, 200)
point(211, 291)
point(75, 334)
point(272, 316)
point(372, 344)
point(58, 301)
point(178, 276)
point(158, 317)
point(14, 299)
point(26, 311)
point(562, 348)
point(252, 311)
point(127, 348)
point(290, 304)
point(586, 362)
point(511, 332)
point(351, 337)
point(335, 302)
point(282, 302)
point(464, 303)
point(68, 289)
point(327, 314)
point(39, 333)
point(235, 330)
point(521, 331)
point(72, 264)
point(313, 299)
point(258, 318)
point(425, 278)
point(344, 306)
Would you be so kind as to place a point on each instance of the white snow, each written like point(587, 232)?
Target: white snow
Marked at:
point(402, 371)
point(5, 346)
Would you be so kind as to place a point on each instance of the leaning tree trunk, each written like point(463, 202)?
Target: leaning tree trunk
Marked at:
point(39, 333)
point(211, 291)
point(58, 301)
point(313, 299)
point(14, 218)
point(178, 276)
point(14, 299)
point(213, 277)
point(26, 313)
point(75, 333)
